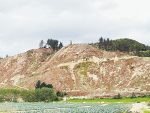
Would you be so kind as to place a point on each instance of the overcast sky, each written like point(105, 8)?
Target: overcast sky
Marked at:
point(24, 23)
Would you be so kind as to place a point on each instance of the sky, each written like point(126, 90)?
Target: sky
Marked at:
point(24, 23)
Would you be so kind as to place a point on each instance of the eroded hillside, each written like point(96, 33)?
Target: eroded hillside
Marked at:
point(16, 68)
point(78, 69)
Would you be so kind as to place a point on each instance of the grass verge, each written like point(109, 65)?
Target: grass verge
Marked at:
point(146, 111)
point(108, 100)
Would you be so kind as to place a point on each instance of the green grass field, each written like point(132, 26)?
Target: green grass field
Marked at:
point(146, 112)
point(107, 100)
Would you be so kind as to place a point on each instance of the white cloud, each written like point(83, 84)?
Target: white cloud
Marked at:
point(129, 9)
point(24, 23)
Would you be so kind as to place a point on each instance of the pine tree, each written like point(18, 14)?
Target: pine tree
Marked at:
point(38, 84)
point(41, 44)
point(43, 85)
point(49, 86)
point(107, 44)
point(100, 43)
point(104, 44)
point(60, 45)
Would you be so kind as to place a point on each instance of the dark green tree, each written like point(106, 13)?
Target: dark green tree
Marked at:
point(100, 43)
point(104, 44)
point(60, 45)
point(38, 84)
point(49, 42)
point(43, 85)
point(107, 44)
point(111, 45)
point(53, 44)
point(49, 86)
point(58, 93)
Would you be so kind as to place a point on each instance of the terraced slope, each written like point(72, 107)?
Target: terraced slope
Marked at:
point(78, 69)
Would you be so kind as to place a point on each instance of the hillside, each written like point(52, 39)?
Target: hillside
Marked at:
point(78, 69)
point(12, 69)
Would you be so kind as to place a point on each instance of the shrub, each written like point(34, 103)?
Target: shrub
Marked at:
point(118, 96)
point(61, 94)
point(28, 95)
point(133, 95)
point(84, 65)
point(83, 72)
point(65, 67)
point(10, 95)
point(148, 103)
point(58, 93)
point(34, 74)
point(45, 94)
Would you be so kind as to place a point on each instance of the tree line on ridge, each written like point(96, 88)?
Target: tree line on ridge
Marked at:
point(124, 45)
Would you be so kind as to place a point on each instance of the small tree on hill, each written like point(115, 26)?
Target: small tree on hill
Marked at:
point(38, 84)
point(49, 86)
point(6, 55)
point(60, 45)
point(100, 43)
point(53, 44)
point(43, 84)
point(107, 44)
point(41, 44)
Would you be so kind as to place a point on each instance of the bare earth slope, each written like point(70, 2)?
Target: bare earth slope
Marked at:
point(78, 69)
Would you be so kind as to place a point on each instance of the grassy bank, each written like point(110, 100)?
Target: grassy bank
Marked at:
point(107, 100)
point(43, 94)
